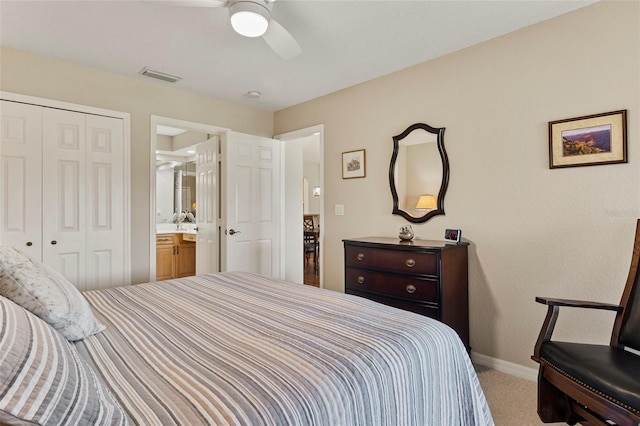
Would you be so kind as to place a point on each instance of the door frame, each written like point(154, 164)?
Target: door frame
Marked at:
point(181, 124)
point(290, 136)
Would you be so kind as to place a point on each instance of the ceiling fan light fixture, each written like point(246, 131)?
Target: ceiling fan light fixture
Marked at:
point(249, 18)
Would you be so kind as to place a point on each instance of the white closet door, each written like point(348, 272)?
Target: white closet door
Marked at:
point(63, 197)
point(21, 177)
point(62, 190)
point(105, 215)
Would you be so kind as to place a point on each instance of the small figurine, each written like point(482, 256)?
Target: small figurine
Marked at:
point(406, 233)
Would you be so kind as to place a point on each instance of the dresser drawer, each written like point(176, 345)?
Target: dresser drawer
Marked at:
point(392, 260)
point(427, 311)
point(392, 285)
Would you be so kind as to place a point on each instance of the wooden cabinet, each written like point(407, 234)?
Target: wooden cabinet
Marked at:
point(186, 257)
point(165, 257)
point(426, 277)
point(175, 256)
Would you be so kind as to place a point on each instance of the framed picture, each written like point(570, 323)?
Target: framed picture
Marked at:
point(588, 141)
point(353, 164)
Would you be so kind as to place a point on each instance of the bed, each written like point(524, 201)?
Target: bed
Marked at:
point(243, 349)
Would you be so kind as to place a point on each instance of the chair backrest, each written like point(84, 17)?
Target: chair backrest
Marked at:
point(307, 222)
point(626, 329)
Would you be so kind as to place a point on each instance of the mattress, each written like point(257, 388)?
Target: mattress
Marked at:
point(243, 349)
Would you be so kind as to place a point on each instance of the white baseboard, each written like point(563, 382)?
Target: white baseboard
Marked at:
point(507, 367)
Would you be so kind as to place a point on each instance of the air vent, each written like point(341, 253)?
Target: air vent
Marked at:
point(159, 75)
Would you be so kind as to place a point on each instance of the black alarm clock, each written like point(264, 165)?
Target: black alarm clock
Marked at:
point(453, 235)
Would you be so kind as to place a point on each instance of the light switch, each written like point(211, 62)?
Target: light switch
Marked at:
point(339, 209)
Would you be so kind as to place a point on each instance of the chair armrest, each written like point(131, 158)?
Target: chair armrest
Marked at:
point(578, 304)
point(552, 316)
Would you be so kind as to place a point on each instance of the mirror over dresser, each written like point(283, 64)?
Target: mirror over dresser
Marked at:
point(419, 173)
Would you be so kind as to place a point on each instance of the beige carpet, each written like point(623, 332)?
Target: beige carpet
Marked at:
point(512, 400)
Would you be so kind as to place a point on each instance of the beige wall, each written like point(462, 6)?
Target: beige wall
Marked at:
point(533, 231)
point(35, 75)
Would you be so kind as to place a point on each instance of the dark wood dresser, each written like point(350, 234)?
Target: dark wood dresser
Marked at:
point(426, 277)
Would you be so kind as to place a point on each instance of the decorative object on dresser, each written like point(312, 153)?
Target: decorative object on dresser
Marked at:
point(423, 276)
point(406, 233)
point(453, 235)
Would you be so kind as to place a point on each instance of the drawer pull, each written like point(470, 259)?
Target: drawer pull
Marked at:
point(360, 256)
point(410, 288)
point(410, 263)
point(360, 279)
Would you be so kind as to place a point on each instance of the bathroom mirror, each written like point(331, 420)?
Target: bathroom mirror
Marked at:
point(176, 173)
point(175, 188)
point(419, 173)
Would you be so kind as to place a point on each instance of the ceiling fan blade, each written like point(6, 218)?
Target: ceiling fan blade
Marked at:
point(281, 41)
point(190, 3)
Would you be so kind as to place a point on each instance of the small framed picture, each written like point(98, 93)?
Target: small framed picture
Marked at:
point(353, 164)
point(588, 141)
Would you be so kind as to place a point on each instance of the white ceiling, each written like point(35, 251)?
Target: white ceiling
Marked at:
point(343, 42)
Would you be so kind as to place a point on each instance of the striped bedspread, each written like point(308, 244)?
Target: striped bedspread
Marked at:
point(241, 349)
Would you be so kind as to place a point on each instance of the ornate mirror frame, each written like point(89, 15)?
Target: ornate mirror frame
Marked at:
point(439, 210)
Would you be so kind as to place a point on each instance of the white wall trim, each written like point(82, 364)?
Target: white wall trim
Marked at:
point(507, 367)
point(126, 141)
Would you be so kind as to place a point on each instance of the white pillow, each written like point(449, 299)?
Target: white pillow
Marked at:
point(47, 294)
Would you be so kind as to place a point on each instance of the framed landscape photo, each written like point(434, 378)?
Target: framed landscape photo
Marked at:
point(353, 164)
point(588, 141)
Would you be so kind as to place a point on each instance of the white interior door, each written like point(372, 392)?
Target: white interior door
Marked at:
point(21, 177)
point(206, 206)
point(251, 240)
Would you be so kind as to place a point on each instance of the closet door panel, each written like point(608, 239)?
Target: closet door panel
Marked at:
point(69, 265)
point(21, 177)
point(64, 193)
point(105, 202)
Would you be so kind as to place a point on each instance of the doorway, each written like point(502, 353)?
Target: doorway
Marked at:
point(174, 187)
point(303, 161)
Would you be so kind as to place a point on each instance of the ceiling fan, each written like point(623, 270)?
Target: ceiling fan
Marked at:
point(252, 18)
